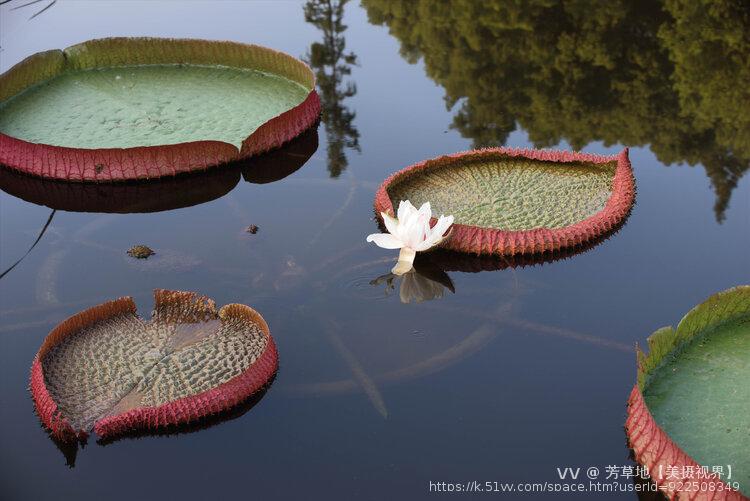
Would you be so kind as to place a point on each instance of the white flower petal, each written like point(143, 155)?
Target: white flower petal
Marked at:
point(424, 245)
point(426, 210)
point(411, 229)
point(435, 235)
point(405, 209)
point(423, 231)
point(391, 224)
point(411, 232)
point(385, 240)
point(432, 240)
point(442, 225)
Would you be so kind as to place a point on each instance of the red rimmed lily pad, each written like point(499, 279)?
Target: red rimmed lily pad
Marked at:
point(139, 108)
point(108, 370)
point(689, 413)
point(161, 194)
point(508, 202)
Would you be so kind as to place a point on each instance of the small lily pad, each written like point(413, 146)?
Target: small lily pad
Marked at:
point(691, 406)
point(108, 370)
point(136, 108)
point(509, 202)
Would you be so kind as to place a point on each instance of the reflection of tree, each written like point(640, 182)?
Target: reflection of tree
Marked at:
point(331, 64)
point(670, 74)
point(31, 2)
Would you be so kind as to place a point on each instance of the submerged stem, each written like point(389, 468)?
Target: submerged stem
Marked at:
point(41, 234)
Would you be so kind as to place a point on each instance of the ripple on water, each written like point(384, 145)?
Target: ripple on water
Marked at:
point(364, 287)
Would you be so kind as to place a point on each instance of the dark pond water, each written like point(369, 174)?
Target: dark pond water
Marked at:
point(520, 371)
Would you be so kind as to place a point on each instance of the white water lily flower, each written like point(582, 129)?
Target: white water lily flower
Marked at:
point(410, 231)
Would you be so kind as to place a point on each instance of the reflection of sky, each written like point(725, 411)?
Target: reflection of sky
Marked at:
point(518, 405)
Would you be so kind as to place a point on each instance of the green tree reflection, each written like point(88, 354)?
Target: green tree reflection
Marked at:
point(332, 64)
point(670, 74)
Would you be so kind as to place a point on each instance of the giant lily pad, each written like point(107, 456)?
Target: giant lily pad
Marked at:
point(281, 162)
point(162, 194)
point(108, 370)
point(124, 198)
point(507, 201)
point(691, 406)
point(136, 108)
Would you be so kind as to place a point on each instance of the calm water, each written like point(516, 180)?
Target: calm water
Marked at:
point(518, 372)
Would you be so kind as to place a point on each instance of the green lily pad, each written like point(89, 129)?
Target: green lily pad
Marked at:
point(508, 202)
point(696, 385)
point(131, 106)
point(512, 193)
point(141, 108)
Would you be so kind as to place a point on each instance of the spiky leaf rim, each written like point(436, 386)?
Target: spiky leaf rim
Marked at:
point(449, 260)
point(491, 241)
point(149, 162)
point(182, 411)
point(652, 446)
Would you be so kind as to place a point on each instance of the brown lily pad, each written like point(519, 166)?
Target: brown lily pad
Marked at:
point(109, 370)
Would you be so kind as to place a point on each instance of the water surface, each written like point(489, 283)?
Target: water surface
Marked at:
point(519, 371)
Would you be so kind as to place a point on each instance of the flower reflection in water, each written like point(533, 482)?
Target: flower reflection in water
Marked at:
point(425, 282)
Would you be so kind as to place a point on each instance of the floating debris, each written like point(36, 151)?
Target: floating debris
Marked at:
point(166, 261)
point(140, 252)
